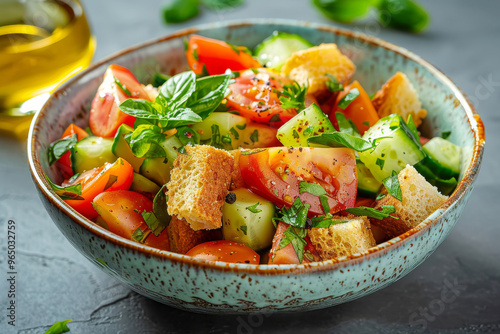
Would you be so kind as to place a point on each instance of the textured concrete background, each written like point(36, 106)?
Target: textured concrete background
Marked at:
point(55, 282)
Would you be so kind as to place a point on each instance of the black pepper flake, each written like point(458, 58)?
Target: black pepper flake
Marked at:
point(230, 198)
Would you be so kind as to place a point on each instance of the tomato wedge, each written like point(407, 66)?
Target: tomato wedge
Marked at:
point(217, 56)
point(121, 210)
point(64, 162)
point(118, 85)
point(254, 95)
point(225, 251)
point(360, 110)
point(109, 177)
point(287, 254)
point(277, 172)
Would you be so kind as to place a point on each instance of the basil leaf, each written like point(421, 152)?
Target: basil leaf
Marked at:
point(178, 89)
point(332, 84)
point(380, 196)
point(296, 215)
point(67, 193)
point(254, 137)
point(405, 15)
point(324, 203)
point(122, 87)
point(58, 148)
point(413, 128)
point(59, 327)
point(178, 11)
point(346, 100)
point(311, 188)
point(347, 125)
point(391, 183)
point(244, 229)
point(235, 133)
point(160, 210)
point(142, 109)
point(380, 162)
point(445, 134)
point(253, 208)
point(342, 139)
point(209, 93)
point(145, 141)
point(186, 136)
point(373, 213)
point(293, 96)
point(296, 238)
point(160, 78)
point(139, 235)
point(182, 116)
point(327, 222)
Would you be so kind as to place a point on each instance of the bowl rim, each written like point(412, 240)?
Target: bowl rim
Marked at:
point(475, 122)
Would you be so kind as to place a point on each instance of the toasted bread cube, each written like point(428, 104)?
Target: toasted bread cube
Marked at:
point(182, 237)
point(199, 183)
point(310, 66)
point(342, 239)
point(420, 199)
point(397, 96)
point(236, 178)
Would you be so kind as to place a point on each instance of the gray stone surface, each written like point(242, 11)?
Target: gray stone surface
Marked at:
point(55, 282)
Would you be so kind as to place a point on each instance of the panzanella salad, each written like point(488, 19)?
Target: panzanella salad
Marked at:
point(273, 156)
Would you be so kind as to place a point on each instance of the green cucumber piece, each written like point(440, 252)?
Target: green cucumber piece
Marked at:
point(445, 153)
point(158, 169)
point(91, 152)
point(437, 175)
point(308, 123)
point(244, 221)
point(396, 147)
point(277, 48)
point(141, 183)
point(121, 148)
point(368, 186)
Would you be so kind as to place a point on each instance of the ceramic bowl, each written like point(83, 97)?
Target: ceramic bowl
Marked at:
point(216, 287)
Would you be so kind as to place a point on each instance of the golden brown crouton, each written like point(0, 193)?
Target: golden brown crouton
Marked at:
point(311, 66)
point(342, 239)
point(420, 199)
point(397, 96)
point(199, 183)
point(182, 237)
point(236, 178)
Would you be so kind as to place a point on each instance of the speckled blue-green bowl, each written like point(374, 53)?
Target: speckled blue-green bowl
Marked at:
point(216, 287)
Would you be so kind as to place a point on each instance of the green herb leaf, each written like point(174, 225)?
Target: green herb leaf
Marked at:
point(244, 229)
point(411, 125)
point(344, 11)
point(122, 87)
point(177, 89)
point(295, 236)
point(391, 183)
point(296, 215)
point(275, 118)
point(209, 93)
point(181, 117)
point(254, 137)
point(180, 11)
point(145, 141)
point(215, 140)
point(159, 79)
point(143, 109)
point(222, 4)
point(58, 148)
point(235, 133)
point(324, 203)
point(380, 163)
point(346, 100)
point(445, 134)
point(187, 136)
point(347, 125)
point(373, 213)
point(140, 235)
point(111, 180)
point(311, 188)
point(67, 193)
point(59, 327)
point(253, 208)
point(332, 84)
point(241, 126)
point(293, 96)
point(380, 196)
point(327, 222)
point(405, 15)
point(254, 151)
point(160, 211)
point(342, 139)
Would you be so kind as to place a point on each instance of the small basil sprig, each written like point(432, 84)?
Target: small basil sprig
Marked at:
point(295, 216)
point(182, 100)
point(58, 148)
point(295, 236)
point(293, 96)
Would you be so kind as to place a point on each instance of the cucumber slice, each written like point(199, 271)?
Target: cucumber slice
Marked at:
point(277, 48)
point(309, 122)
point(445, 153)
point(244, 221)
point(91, 152)
point(121, 148)
point(396, 148)
point(368, 186)
point(158, 169)
point(141, 183)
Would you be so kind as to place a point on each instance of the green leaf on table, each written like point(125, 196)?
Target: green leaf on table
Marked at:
point(59, 327)
point(222, 4)
point(405, 15)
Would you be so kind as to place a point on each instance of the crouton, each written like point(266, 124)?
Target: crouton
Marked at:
point(311, 66)
point(397, 96)
point(182, 237)
point(151, 91)
point(236, 178)
point(343, 239)
point(420, 199)
point(199, 183)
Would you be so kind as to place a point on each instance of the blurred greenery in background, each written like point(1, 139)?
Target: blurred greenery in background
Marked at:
point(406, 15)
